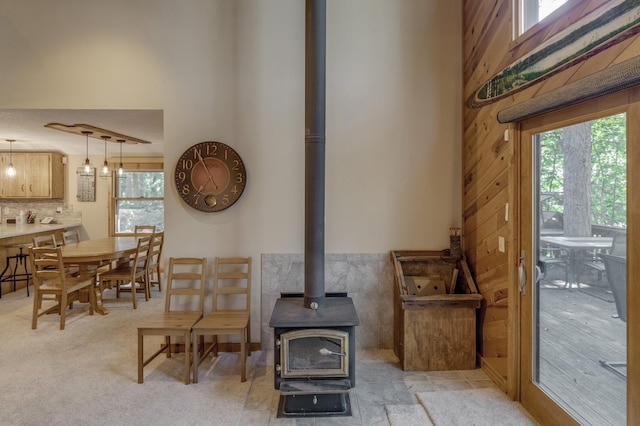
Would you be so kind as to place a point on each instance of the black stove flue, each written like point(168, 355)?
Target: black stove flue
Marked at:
point(314, 142)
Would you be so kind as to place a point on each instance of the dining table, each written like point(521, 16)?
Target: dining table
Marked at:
point(95, 252)
point(576, 247)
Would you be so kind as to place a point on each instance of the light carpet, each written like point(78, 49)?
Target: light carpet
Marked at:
point(87, 374)
point(407, 415)
point(478, 407)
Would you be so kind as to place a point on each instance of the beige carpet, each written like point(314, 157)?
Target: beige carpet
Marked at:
point(86, 374)
point(478, 407)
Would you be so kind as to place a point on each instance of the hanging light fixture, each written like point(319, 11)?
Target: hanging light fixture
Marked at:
point(120, 167)
point(87, 163)
point(105, 164)
point(11, 171)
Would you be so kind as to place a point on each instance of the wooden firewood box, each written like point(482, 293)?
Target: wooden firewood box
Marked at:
point(435, 309)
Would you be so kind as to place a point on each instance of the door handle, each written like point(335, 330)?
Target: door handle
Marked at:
point(522, 273)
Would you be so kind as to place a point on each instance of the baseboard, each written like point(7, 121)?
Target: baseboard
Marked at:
point(489, 366)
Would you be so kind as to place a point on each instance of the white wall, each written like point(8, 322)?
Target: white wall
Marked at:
point(95, 214)
point(233, 71)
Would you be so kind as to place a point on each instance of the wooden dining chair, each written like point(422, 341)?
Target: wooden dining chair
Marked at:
point(185, 287)
point(71, 237)
point(144, 229)
point(228, 318)
point(131, 275)
point(45, 241)
point(155, 259)
point(51, 278)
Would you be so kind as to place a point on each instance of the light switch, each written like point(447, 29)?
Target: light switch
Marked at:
point(501, 244)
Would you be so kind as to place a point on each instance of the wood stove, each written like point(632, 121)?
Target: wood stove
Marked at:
point(314, 355)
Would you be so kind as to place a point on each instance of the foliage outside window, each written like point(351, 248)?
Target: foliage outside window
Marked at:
point(139, 200)
point(608, 170)
point(534, 11)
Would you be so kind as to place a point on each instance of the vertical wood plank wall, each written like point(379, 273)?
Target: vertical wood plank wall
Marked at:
point(489, 174)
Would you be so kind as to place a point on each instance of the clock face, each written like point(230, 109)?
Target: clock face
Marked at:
point(210, 176)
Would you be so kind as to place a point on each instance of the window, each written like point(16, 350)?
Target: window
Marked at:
point(534, 11)
point(139, 200)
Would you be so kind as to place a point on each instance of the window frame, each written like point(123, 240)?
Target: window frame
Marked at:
point(520, 37)
point(139, 165)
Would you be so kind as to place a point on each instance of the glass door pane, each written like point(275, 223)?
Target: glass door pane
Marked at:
point(579, 235)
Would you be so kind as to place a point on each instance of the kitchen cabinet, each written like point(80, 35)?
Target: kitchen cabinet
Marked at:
point(38, 175)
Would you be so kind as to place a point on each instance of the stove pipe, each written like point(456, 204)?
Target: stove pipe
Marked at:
point(315, 59)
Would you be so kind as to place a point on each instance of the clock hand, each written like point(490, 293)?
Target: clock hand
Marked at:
point(206, 170)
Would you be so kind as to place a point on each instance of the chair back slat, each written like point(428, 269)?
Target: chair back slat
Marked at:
point(45, 241)
point(141, 258)
point(236, 274)
point(47, 266)
point(185, 277)
point(144, 229)
point(71, 237)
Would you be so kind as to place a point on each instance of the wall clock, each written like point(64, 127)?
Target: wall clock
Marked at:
point(210, 176)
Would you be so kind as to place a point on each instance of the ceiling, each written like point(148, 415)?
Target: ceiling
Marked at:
point(27, 127)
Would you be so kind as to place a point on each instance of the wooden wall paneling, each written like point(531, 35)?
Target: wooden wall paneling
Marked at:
point(491, 165)
point(556, 81)
point(482, 196)
point(600, 61)
point(485, 185)
point(481, 33)
point(473, 217)
point(631, 50)
point(483, 177)
point(488, 256)
point(469, 240)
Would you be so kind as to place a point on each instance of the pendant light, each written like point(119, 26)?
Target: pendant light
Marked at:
point(87, 163)
point(105, 165)
point(120, 167)
point(11, 171)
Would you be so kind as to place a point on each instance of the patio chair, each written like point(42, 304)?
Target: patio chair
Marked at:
point(616, 271)
point(551, 258)
point(594, 262)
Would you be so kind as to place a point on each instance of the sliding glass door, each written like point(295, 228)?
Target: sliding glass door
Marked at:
point(573, 233)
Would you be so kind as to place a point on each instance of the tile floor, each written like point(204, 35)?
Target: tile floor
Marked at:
point(379, 382)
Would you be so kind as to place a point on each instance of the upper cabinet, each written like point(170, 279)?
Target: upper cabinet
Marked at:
point(38, 175)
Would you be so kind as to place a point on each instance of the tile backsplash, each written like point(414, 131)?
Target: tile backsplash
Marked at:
point(367, 279)
point(9, 209)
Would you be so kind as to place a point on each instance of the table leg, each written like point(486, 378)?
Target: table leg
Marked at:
point(99, 308)
point(97, 299)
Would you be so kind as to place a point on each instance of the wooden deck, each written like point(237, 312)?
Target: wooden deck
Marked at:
point(578, 328)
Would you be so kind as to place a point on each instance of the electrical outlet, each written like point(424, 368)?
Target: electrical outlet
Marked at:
point(501, 244)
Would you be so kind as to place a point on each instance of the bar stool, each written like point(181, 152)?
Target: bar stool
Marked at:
point(20, 259)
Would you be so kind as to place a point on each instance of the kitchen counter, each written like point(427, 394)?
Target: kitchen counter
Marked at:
point(8, 230)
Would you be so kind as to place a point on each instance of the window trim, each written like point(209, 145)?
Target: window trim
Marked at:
point(137, 164)
point(562, 11)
